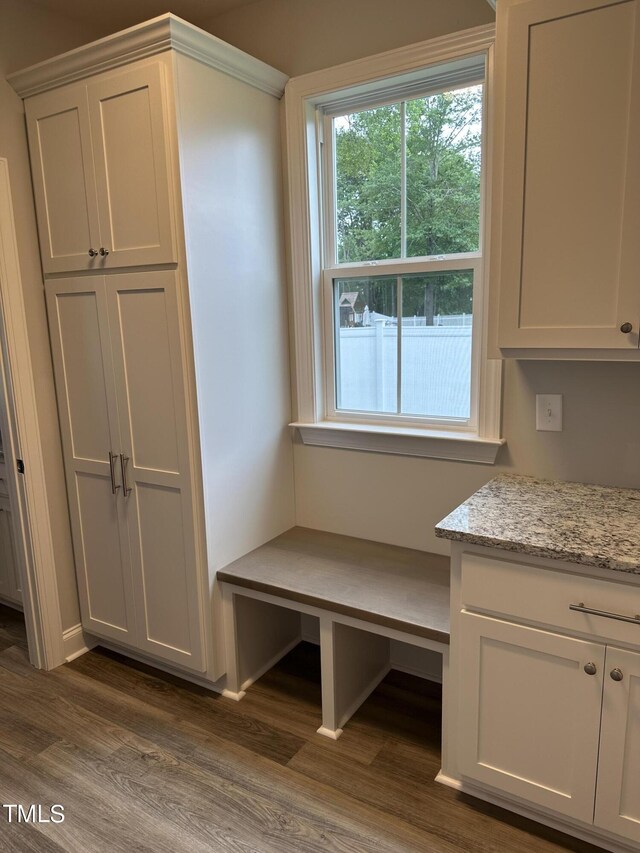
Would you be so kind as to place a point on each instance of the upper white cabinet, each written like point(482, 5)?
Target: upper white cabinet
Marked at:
point(566, 253)
point(101, 172)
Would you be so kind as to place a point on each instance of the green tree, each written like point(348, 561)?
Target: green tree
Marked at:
point(443, 160)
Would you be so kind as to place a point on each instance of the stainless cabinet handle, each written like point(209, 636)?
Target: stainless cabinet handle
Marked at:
point(590, 668)
point(625, 328)
point(103, 252)
point(93, 253)
point(582, 609)
point(112, 463)
point(123, 467)
point(616, 674)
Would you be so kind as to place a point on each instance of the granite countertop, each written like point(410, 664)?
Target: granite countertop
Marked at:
point(579, 523)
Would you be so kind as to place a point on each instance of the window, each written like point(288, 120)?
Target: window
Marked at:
point(395, 195)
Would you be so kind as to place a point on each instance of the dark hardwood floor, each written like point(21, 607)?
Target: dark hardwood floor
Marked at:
point(145, 762)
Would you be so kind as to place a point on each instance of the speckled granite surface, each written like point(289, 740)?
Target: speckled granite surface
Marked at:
point(589, 525)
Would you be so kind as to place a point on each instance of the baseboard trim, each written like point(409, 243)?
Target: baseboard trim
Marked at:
point(200, 680)
point(334, 734)
point(231, 694)
point(424, 674)
point(567, 826)
point(12, 603)
point(76, 642)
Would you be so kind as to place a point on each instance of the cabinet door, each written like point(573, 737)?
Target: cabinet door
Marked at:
point(571, 192)
point(131, 155)
point(88, 416)
point(530, 715)
point(63, 178)
point(618, 794)
point(9, 581)
point(152, 386)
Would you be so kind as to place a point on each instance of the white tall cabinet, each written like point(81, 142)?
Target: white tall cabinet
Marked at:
point(156, 168)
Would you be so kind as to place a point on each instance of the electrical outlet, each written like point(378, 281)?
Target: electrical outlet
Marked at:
point(549, 412)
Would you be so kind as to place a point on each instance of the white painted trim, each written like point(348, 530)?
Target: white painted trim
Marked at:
point(161, 666)
point(457, 446)
point(341, 618)
point(13, 603)
point(232, 694)
point(397, 61)
point(566, 825)
point(426, 673)
point(304, 201)
point(77, 643)
point(333, 734)
point(166, 32)
point(570, 354)
point(28, 493)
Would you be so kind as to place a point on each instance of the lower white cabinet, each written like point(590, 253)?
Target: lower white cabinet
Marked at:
point(548, 719)
point(121, 381)
point(9, 580)
point(618, 792)
point(530, 714)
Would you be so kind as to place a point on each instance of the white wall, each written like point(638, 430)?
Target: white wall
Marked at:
point(231, 190)
point(399, 499)
point(29, 34)
point(298, 36)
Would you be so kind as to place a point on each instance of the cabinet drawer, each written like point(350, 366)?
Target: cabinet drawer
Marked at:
point(543, 596)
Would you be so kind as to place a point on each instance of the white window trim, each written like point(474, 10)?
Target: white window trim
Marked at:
point(304, 202)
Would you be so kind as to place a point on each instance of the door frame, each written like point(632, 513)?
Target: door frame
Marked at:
point(27, 492)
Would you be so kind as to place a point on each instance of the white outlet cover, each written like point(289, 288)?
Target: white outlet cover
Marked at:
point(549, 412)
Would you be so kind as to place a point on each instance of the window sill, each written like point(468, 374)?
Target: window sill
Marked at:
point(434, 444)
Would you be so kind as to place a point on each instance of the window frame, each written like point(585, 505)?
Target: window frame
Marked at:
point(311, 276)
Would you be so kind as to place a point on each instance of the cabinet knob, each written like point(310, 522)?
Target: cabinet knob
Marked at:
point(590, 668)
point(616, 674)
point(625, 328)
point(93, 253)
point(104, 252)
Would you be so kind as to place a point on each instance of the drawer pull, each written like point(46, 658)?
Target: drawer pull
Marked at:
point(582, 609)
point(616, 674)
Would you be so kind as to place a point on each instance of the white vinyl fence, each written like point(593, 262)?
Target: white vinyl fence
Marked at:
point(436, 369)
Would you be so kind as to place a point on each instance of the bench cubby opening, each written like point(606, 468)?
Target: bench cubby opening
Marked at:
point(370, 606)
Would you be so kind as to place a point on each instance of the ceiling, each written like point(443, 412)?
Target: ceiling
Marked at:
point(113, 15)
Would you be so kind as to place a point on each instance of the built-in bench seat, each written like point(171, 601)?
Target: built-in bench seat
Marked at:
point(364, 594)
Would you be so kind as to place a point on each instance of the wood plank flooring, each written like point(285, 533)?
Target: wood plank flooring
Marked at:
point(145, 762)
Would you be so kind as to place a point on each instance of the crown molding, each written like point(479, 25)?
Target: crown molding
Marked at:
point(167, 32)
